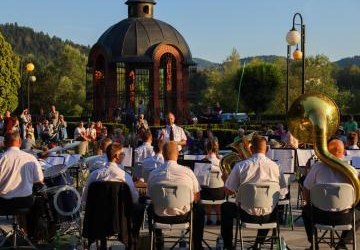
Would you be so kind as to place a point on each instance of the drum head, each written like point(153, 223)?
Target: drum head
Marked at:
point(67, 201)
point(55, 170)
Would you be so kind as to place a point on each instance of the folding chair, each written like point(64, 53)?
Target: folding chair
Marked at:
point(214, 182)
point(258, 195)
point(287, 202)
point(168, 196)
point(332, 197)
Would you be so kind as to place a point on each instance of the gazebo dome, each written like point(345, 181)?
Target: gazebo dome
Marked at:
point(134, 39)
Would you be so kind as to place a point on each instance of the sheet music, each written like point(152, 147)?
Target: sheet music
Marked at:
point(353, 152)
point(67, 159)
point(127, 162)
point(194, 157)
point(285, 158)
point(202, 173)
point(304, 155)
point(355, 161)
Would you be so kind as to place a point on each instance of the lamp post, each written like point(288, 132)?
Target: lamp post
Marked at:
point(293, 37)
point(30, 79)
point(29, 67)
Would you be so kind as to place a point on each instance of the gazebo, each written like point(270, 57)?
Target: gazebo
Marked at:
point(139, 59)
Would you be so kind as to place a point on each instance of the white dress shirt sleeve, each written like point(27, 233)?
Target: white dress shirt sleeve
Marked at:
point(134, 192)
point(233, 181)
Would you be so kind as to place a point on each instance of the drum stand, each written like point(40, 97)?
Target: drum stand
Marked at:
point(16, 233)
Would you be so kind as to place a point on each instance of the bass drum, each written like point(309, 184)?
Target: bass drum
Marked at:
point(41, 222)
point(65, 203)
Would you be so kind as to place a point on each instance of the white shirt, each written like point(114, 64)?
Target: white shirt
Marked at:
point(321, 173)
point(256, 169)
point(18, 172)
point(144, 151)
point(79, 131)
point(151, 163)
point(176, 174)
point(179, 134)
point(111, 172)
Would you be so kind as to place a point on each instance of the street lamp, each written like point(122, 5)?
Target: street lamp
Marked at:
point(29, 67)
point(30, 79)
point(293, 38)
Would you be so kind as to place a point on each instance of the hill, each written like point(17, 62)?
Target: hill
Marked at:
point(28, 43)
point(203, 64)
point(270, 58)
point(342, 63)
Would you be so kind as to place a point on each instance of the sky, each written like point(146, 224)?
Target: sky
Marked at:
point(211, 28)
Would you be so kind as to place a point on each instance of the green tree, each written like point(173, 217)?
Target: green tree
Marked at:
point(9, 76)
point(221, 82)
point(260, 83)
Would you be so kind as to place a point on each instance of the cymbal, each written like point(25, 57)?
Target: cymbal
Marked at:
point(71, 145)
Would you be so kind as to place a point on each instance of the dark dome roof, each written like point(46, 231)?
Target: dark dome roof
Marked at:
point(134, 39)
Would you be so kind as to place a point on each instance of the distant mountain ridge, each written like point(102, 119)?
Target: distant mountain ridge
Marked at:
point(342, 63)
point(27, 42)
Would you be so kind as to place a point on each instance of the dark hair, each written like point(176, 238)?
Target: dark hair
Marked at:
point(112, 149)
point(257, 141)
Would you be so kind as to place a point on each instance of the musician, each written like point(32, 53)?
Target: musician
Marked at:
point(173, 132)
point(145, 150)
point(19, 171)
point(321, 173)
point(257, 169)
point(213, 193)
point(155, 161)
point(112, 172)
point(102, 160)
point(177, 174)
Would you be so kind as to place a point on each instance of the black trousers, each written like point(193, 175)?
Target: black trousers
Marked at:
point(229, 212)
point(15, 203)
point(198, 224)
point(325, 217)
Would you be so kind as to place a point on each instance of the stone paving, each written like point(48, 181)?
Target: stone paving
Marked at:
point(295, 239)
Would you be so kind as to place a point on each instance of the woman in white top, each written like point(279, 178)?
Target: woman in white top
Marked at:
point(215, 190)
point(352, 140)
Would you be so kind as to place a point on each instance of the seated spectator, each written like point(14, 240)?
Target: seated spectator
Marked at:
point(47, 132)
point(177, 174)
point(28, 143)
point(145, 150)
point(197, 145)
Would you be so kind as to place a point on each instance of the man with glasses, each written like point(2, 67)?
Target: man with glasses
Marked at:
point(113, 173)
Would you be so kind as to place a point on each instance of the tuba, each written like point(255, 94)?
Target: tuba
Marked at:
point(241, 151)
point(314, 118)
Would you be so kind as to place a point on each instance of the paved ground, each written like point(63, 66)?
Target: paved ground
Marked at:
point(295, 239)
